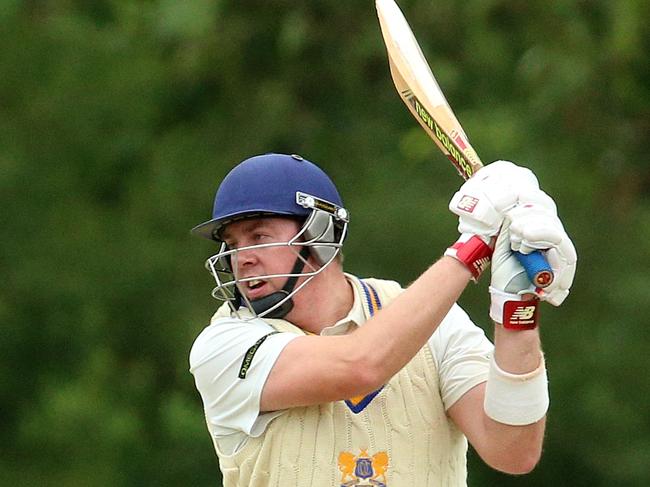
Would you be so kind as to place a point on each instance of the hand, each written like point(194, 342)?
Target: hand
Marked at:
point(531, 225)
point(481, 204)
point(483, 200)
point(535, 225)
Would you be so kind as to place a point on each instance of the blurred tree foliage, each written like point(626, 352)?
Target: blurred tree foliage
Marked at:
point(119, 117)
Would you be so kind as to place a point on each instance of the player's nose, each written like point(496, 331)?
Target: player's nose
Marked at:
point(246, 258)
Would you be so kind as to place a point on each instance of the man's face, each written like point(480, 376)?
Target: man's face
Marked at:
point(261, 261)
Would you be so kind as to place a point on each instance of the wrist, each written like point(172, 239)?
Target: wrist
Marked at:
point(472, 252)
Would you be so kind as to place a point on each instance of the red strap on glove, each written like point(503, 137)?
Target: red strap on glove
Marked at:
point(472, 251)
point(520, 315)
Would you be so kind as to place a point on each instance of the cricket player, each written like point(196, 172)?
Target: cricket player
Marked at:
point(313, 377)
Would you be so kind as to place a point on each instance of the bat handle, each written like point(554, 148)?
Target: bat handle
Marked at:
point(537, 268)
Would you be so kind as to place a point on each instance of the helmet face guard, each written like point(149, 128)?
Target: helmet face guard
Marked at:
point(276, 185)
point(321, 236)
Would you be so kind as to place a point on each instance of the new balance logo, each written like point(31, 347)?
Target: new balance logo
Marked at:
point(467, 203)
point(520, 315)
point(523, 313)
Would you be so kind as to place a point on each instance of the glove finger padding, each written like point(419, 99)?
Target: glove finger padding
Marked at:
point(563, 260)
point(530, 227)
point(506, 171)
point(542, 232)
point(482, 200)
point(535, 226)
point(539, 198)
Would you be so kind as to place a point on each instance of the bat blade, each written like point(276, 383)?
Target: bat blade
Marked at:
point(419, 90)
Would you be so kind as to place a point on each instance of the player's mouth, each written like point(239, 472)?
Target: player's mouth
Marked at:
point(255, 288)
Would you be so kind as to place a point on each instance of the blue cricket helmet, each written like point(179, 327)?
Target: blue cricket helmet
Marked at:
point(267, 185)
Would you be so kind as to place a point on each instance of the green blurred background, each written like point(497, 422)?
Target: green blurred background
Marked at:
point(118, 118)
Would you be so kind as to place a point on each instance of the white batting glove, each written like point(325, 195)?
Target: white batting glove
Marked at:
point(481, 203)
point(532, 225)
point(536, 226)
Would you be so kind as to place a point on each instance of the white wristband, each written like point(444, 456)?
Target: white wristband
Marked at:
point(516, 400)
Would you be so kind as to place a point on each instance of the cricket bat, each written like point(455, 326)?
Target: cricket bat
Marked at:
point(419, 90)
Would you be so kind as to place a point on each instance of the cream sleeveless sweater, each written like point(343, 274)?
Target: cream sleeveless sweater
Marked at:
point(401, 438)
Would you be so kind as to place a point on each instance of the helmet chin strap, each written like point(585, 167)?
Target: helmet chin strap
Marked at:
point(267, 302)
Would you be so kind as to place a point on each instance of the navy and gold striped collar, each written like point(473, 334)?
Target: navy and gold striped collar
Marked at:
point(372, 302)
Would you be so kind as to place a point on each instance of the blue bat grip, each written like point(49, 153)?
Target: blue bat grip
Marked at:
point(537, 268)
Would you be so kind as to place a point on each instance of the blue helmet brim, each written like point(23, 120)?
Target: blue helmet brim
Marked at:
point(210, 229)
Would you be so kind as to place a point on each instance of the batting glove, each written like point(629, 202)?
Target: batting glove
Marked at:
point(531, 225)
point(480, 204)
point(481, 201)
point(536, 226)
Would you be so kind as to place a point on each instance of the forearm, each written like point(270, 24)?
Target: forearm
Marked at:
point(504, 418)
point(516, 448)
point(512, 449)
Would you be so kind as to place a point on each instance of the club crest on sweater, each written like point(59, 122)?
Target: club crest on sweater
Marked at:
point(363, 470)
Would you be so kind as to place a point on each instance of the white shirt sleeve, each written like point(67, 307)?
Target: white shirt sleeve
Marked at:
point(231, 360)
point(461, 352)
